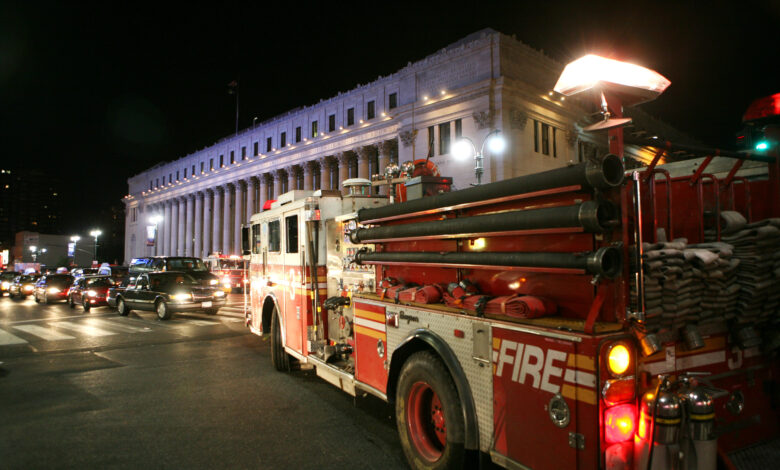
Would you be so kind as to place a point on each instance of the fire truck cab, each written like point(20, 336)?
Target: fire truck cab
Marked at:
point(231, 270)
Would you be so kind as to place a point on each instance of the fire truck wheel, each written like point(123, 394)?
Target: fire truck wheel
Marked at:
point(121, 307)
point(163, 312)
point(279, 357)
point(429, 414)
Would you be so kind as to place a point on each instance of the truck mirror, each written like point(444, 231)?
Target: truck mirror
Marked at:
point(245, 240)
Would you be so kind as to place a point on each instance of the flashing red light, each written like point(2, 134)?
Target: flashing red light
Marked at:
point(768, 106)
point(619, 423)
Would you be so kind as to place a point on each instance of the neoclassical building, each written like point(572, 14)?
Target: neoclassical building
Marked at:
point(484, 82)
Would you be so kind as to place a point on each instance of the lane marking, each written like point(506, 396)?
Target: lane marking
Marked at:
point(43, 333)
point(7, 338)
point(85, 329)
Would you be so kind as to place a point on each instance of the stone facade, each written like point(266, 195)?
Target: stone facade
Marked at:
point(483, 82)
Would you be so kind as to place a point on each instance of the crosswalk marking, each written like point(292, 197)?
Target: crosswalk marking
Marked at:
point(81, 328)
point(116, 325)
point(44, 333)
point(7, 338)
point(201, 322)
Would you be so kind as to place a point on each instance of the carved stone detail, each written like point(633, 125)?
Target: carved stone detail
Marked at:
point(388, 147)
point(517, 118)
point(571, 136)
point(366, 151)
point(484, 119)
point(408, 136)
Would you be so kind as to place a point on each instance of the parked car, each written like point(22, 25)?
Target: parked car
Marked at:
point(52, 287)
point(169, 292)
point(117, 273)
point(79, 272)
point(6, 278)
point(117, 290)
point(23, 286)
point(195, 267)
point(89, 291)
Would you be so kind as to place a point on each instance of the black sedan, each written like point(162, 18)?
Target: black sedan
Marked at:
point(168, 292)
point(23, 286)
point(118, 289)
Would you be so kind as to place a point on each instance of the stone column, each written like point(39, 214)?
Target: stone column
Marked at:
point(308, 175)
point(208, 213)
point(250, 198)
point(387, 150)
point(344, 158)
point(279, 176)
point(264, 181)
point(174, 227)
point(292, 177)
point(365, 154)
point(325, 165)
point(182, 230)
point(216, 232)
point(167, 234)
point(197, 249)
point(239, 217)
point(188, 235)
point(227, 220)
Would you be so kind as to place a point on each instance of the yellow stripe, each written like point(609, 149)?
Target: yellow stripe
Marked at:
point(582, 362)
point(579, 393)
point(695, 417)
point(667, 421)
point(369, 332)
point(497, 343)
point(370, 315)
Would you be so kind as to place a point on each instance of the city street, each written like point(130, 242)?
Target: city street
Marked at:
point(97, 390)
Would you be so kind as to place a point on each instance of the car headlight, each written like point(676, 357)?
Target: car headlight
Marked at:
point(213, 282)
point(53, 290)
point(226, 279)
point(182, 297)
point(28, 287)
point(92, 293)
point(5, 284)
point(219, 293)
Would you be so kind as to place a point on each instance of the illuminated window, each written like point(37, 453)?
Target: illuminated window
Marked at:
point(370, 110)
point(314, 132)
point(392, 100)
point(351, 116)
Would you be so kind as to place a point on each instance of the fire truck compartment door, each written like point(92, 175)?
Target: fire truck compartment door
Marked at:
point(295, 298)
point(370, 345)
point(528, 371)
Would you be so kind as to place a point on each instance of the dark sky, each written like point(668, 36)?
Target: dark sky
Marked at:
point(99, 92)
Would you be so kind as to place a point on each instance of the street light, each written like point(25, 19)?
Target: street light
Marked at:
point(464, 147)
point(34, 251)
point(96, 234)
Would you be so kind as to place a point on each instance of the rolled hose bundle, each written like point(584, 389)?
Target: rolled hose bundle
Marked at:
point(430, 294)
point(604, 174)
point(593, 216)
point(606, 261)
point(521, 306)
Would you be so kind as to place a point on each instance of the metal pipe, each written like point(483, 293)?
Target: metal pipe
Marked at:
point(606, 261)
point(594, 217)
point(697, 149)
point(607, 173)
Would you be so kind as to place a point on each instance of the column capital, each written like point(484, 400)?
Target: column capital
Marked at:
point(294, 170)
point(367, 151)
point(327, 161)
point(280, 173)
point(311, 166)
point(265, 178)
point(388, 147)
point(345, 157)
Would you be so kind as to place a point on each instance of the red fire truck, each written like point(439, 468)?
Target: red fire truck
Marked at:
point(230, 269)
point(583, 317)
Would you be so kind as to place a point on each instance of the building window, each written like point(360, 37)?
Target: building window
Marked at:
point(232, 157)
point(163, 180)
point(201, 166)
point(392, 100)
point(157, 184)
point(170, 178)
point(331, 123)
point(351, 117)
point(151, 185)
point(458, 129)
point(257, 148)
point(193, 169)
point(431, 133)
point(554, 142)
point(536, 136)
point(314, 129)
point(291, 232)
point(243, 153)
point(297, 134)
point(268, 145)
point(177, 175)
point(221, 161)
point(185, 173)
point(444, 138)
point(211, 164)
point(274, 238)
point(283, 139)
point(370, 110)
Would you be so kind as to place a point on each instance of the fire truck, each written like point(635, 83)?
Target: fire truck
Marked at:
point(230, 269)
point(582, 317)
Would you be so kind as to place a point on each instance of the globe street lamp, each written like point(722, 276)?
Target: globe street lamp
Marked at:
point(96, 234)
point(465, 147)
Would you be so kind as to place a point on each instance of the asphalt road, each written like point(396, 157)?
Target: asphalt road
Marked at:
point(96, 390)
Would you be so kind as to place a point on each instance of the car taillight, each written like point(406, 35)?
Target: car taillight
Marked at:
point(619, 423)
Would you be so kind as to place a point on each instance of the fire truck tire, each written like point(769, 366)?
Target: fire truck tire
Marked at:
point(279, 357)
point(429, 414)
point(121, 307)
point(162, 310)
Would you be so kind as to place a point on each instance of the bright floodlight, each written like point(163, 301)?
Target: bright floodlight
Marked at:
point(497, 144)
point(33, 247)
point(155, 219)
point(75, 238)
point(95, 233)
point(592, 71)
point(463, 149)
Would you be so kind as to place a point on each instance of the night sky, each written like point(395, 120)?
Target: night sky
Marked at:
point(98, 92)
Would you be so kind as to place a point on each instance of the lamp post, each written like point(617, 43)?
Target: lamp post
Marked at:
point(465, 146)
point(96, 234)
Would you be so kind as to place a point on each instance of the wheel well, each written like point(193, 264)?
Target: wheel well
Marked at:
point(268, 311)
point(422, 340)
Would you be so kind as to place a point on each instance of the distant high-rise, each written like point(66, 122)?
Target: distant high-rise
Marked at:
point(29, 200)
